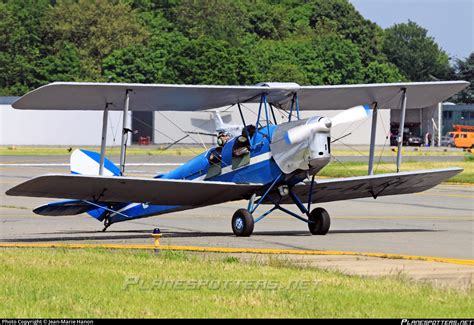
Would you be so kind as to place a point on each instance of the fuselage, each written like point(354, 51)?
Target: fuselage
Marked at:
point(229, 164)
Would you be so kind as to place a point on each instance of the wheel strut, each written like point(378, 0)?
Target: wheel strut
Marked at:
point(107, 223)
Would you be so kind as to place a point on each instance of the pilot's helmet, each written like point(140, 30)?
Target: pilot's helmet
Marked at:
point(222, 138)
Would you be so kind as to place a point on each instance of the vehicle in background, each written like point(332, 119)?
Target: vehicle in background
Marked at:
point(463, 136)
point(408, 140)
point(447, 140)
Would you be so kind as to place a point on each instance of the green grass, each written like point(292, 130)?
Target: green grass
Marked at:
point(406, 152)
point(347, 169)
point(57, 283)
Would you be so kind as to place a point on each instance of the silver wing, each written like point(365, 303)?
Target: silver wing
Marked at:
point(126, 189)
point(162, 97)
point(328, 190)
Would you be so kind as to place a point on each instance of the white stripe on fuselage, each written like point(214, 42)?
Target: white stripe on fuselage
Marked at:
point(228, 169)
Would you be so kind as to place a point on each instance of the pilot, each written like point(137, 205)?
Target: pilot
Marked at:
point(222, 139)
point(242, 145)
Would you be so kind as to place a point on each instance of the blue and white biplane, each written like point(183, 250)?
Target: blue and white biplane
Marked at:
point(269, 163)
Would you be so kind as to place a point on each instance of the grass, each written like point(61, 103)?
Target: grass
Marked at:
point(347, 169)
point(57, 283)
point(406, 152)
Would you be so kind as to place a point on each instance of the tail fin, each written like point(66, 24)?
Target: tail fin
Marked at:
point(85, 162)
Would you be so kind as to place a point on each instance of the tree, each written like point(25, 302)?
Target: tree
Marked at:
point(268, 22)
point(21, 45)
point(340, 17)
point(145, 64)
point(318, 60)
point(415, 53)
point(464, 70)
point(96, 28)
point(221, 20)
point(377, 72)
point(209, 61)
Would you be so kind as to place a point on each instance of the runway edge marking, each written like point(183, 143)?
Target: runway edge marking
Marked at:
point(465, 262)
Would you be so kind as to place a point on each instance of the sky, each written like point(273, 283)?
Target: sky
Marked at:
point(449, 22)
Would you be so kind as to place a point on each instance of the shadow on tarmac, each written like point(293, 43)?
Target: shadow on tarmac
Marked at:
point(146, 234)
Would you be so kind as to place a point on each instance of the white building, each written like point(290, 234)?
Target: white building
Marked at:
point(83, 128)
point(76, 128)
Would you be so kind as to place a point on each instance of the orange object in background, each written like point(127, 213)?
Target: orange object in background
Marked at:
point(144, 140)
point(463, 136)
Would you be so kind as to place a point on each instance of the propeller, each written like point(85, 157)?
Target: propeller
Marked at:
point(324, 124)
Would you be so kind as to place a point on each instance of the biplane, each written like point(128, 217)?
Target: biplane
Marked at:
point(268, 163)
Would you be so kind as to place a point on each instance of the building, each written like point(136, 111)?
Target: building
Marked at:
point(83, 128)
point(55, 128)
point(462, 114)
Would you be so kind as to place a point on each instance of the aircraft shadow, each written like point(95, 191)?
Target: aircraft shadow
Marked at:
point(146, 234)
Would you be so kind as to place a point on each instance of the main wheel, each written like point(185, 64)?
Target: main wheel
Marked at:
point(242, 223)
point(319, 222)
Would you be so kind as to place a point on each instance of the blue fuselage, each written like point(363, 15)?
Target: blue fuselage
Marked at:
point(257, 167)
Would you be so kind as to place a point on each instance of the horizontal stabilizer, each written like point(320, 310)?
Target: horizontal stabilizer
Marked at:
point(64, 208)
point(139, 190)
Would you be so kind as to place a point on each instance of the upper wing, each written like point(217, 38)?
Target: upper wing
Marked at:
point(387, 96)
point(147, 97)
point(126, 189)
point(328, 190)
point(162, 97)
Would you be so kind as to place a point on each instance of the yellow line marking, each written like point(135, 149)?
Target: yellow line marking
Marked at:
point(457, 261)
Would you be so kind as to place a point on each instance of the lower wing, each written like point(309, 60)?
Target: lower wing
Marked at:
point(112, 189)
point(328, 190)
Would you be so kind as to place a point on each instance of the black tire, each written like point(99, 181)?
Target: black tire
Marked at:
point(319, 222)
point(242, 223)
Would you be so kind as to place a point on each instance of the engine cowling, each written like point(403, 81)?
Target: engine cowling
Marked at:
point(312, 153)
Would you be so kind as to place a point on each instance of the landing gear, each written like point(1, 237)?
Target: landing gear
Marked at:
point(242, 223)
point(319, 221)
point(107, 224)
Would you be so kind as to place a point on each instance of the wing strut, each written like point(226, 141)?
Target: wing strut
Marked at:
point(372, 138)
point(103, 143)
point(401, 128)
point(125, 130)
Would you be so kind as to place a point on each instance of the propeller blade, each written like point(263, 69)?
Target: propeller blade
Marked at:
point(353, 114)
point(299, 133)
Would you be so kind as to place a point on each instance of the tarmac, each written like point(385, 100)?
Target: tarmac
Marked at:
point(427, 236)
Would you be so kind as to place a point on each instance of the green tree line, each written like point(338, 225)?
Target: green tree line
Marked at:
point(239, 42)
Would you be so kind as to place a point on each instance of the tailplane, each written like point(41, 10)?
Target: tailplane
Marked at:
point(83, 162)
